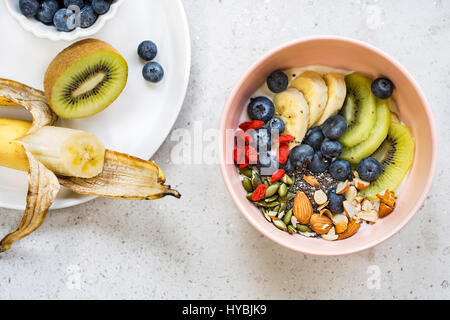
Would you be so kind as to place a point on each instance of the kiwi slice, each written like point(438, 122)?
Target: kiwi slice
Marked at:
point(395, 155)
point(85, 78)
point(359, 109)
point(376, 137)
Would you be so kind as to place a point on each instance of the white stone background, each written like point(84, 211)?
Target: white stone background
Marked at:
point(201, 246)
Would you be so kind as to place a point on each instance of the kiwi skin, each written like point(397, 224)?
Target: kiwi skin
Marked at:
point(69, 56)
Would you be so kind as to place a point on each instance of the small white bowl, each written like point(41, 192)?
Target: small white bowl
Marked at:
point(41, 30)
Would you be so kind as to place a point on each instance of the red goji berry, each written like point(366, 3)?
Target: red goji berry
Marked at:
point(254, 124)
point(277, 175)
point(241, 135)
point(284, 138)
point(239, 156)
point(283, 152)
point(251, 154)
point(243, 165)
point(259, 192)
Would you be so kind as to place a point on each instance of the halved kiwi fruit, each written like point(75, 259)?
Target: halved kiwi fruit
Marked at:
point(376, 137)
point(85, 78)
point(359, 109)
point(395, 155)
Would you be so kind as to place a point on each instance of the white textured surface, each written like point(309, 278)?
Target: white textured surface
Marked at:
point(200, 246)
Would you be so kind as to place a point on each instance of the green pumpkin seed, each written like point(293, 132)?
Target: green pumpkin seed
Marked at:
point(268, 204)
point(287, 179)
point(267, 182)
point(256, 179)
point(283, 206)
point(247, 183)
point(246, 172)
point(277, 209)
point(280, 215)
point(272, 198)
point(291, 229)
point(271, 190)
point(280, 224)
point(290, 196)
point(249, 196)
point(303, 228)
point(287, 217)
point(283, 190)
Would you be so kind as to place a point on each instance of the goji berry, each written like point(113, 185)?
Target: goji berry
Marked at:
point(239, 156)
point(241, 135)
point(259, 192)
point(243, 165)
point(284, 138)
point(254, 124)
point(283, 152)
point(277, 175)
point(251, 154)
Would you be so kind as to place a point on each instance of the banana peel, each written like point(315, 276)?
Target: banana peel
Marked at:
point(123, 176)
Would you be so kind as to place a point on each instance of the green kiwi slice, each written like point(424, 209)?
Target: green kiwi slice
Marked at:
point(85, 78)
point(359, 109)
point(396, 156)
point(376, 137)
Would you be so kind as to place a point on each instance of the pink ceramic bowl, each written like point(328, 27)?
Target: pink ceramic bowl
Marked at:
point(414, 110)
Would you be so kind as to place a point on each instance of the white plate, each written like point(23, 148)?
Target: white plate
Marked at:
point(141, 118)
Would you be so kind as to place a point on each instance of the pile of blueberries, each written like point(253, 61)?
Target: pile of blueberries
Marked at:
point(319, 150)
point(152, 71)
point(59, 13)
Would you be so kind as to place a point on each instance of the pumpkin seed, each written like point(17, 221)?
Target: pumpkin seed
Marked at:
point(277, 209)
point(267, 182)
point(249, 196)
point(283, 206)
point(246, 172)
point(280, 224)
point(287, 217)
point(271, 190)
point(303, 228)
point(256, 179)
point(268, 204)
point(280, 215)
point(283, 190)
point(288, 180)
point(291, 229)
point(272, 198)
point(247, 183)
point(290, 196)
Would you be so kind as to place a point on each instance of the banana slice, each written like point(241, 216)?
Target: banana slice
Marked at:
point(294, 111)
point(67, 152)
point(315, 90)
point(337, 90)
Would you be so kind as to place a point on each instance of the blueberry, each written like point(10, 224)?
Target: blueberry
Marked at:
point(262, 139)
point(331, 149)
point(369, 169)
point(260, 108)
point(101, 6)
point(147, 50)
point(78, 3)
point(64, 20)
point(277, 81)
point(336, 201)
point(301, 155)
point(334, 127)
point(340, 169)
point(276, 124)
point(267, 164)
point(314, 137)
point(318, 163)
point(29, 8)
point(47, 10)
point(153, 72)
point(87, 16)
point(382, 88)
point(288, 166)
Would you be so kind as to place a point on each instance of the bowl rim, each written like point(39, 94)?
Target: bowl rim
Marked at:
point(55, 35)
point(237, 199)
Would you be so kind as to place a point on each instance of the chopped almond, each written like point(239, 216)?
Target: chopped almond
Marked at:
point(323, 206)
point(320, 197)
point(369, 216)
point(326, 212)
point(342, 187)
point(361, 184)
point(350, 209)
point(384, 210)
point(311, 181)
point(351, 193)
point(387, 197)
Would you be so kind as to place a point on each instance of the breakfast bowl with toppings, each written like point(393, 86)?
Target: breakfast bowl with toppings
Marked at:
point(332, 147)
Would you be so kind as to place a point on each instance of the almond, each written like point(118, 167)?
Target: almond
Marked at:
point(303, 209)
point(342, 187)
point(311, 181)
point(350, 209)
point(331, 235)
point(321, 224)
point(326, 212)
point(387, 197)
point(384, 210)
point(323, 206)
point(369, 216)
point(356, 174)
point(359, 199)
point(351, 194)
point(341, 222)
point(320, 197)
point(352, 227)
point(360, 184)
point(367, 205)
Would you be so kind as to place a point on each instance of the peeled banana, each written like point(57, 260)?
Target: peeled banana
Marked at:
point(76, 159)
point(337, 90)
